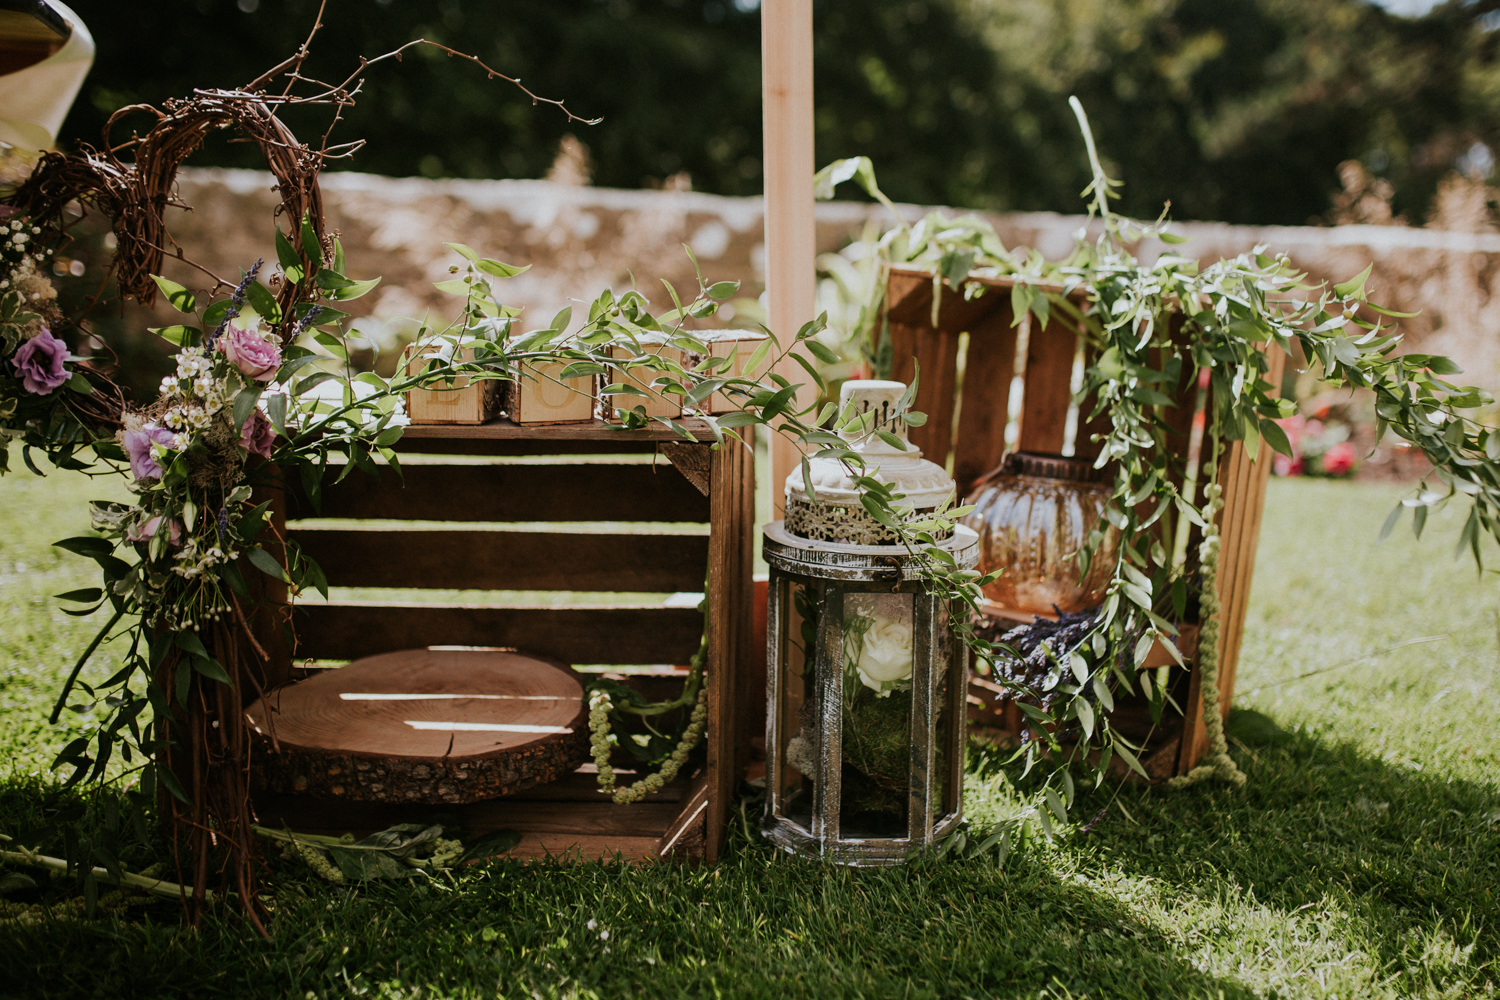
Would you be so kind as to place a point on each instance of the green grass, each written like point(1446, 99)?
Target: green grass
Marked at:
point(1362, 859)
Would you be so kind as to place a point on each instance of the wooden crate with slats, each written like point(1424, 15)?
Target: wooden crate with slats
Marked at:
point(585, 529)
point(975, 424)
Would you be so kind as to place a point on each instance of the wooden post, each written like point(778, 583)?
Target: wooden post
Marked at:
point(786, 43)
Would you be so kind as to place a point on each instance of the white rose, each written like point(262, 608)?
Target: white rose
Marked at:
point(885, 654)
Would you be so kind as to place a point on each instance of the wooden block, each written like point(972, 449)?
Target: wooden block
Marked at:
point(423, 726)
point(462, 402)
point(542, 396)
point(932, 357)
point(655, 403)
point(738, 344)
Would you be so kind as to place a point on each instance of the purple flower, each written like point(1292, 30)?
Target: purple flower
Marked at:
point(255, 356)
point(258, 436)
point(39, 362)
point(139, 448)
point(146, 530)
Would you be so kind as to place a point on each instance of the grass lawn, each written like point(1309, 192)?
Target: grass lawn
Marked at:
point(1362, 859)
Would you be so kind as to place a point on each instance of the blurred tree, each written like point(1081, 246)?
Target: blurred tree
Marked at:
point(1239, 110)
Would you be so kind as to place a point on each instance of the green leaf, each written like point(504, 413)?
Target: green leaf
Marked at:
point(500, 269)
point(1171, 238)
point(1390, 522)
point(276, 411)
point(179, 336)
point(757, 359)
point(182, 300)
point(211, 669)
point(1085, 716)
point(453, 286)
point(244, 404)
point(463, 251)
point(286, 256)
point(355, 289)
point(263, 302)
point(312, 248)
point(1130, 759)
point(91, 546)
point(1354, 288)
point(491, 845)
point(267, 564)
point(86, 596)
point(1276, 437)
point(723, 289)
point(822, 352)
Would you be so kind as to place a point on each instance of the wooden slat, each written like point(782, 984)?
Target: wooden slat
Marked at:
point(985, 407)
point(595, 492)
point(729, 631)
point(935, 354)
point(347, 630)
point(507, 560)
point(417, 436)
point(910, 302)
point(1252, 502)
point(1049, 376)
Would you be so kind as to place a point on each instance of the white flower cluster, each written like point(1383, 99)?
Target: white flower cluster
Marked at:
point(195, 377)
point(192, 559)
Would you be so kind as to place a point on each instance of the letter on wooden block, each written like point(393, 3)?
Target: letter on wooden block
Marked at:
point(546, 398)
point(463, 401)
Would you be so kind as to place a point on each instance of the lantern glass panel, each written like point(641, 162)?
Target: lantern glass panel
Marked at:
point(798, 751)
point(878, 649)
point(949, 678)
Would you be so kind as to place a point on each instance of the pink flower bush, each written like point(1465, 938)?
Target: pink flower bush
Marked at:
point(255, 356)
point(140, 449)
point(39, 362)
point(258, 437)
point(1338, 460)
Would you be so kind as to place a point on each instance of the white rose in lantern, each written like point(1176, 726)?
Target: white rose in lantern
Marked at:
point(885, 655)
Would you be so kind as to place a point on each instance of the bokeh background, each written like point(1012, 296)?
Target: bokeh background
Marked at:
point(1234, 110)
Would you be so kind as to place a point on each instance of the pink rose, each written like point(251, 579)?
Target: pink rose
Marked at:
point(146, 530)
point(1283, 466)
point(1339, 459)
point(139, 449)
point(255, 356)
point(39, 362)
point(258, 436)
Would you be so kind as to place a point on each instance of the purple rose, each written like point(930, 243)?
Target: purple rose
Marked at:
point(258, 436)
point(39, 362)
point(252, 354)
point(138, 447)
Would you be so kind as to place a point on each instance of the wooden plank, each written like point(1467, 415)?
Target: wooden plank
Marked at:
point(543, 396)
point(933, 353)
point(729, 630)
point(507, 560)
point(416, 437)
point(347, 630)
point(1049, 376)
point(513, 493)
point(458, 401)
point(984, 408)
point(687, 835)
point(909, 301)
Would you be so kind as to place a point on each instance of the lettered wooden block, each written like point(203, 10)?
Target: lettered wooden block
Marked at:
point(738, 344)
point(461, 401)
point(548, 398)
point(655, 403)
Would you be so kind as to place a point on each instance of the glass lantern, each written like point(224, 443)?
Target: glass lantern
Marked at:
point(866, 687)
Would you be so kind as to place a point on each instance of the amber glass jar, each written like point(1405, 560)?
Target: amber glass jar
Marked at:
point(1033, 514)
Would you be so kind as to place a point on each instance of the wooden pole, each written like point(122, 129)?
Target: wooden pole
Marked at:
point(787, 110)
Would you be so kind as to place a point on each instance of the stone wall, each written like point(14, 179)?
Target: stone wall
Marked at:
point(580, 239)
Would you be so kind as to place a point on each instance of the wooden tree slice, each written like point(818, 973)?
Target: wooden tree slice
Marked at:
point(422, 725)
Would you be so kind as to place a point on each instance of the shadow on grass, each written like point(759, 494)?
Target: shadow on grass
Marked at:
point(757, 925)
point(1332, 873)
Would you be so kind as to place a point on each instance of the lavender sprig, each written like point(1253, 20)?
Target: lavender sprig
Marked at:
point(236, 301)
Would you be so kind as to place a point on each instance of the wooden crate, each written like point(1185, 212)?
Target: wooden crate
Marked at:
point(462, 401)
point(678, 482)
point(736, 344)
point(978, 442)
point(655, 403)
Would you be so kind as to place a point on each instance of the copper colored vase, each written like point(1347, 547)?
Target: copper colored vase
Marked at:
point(1033, 514)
